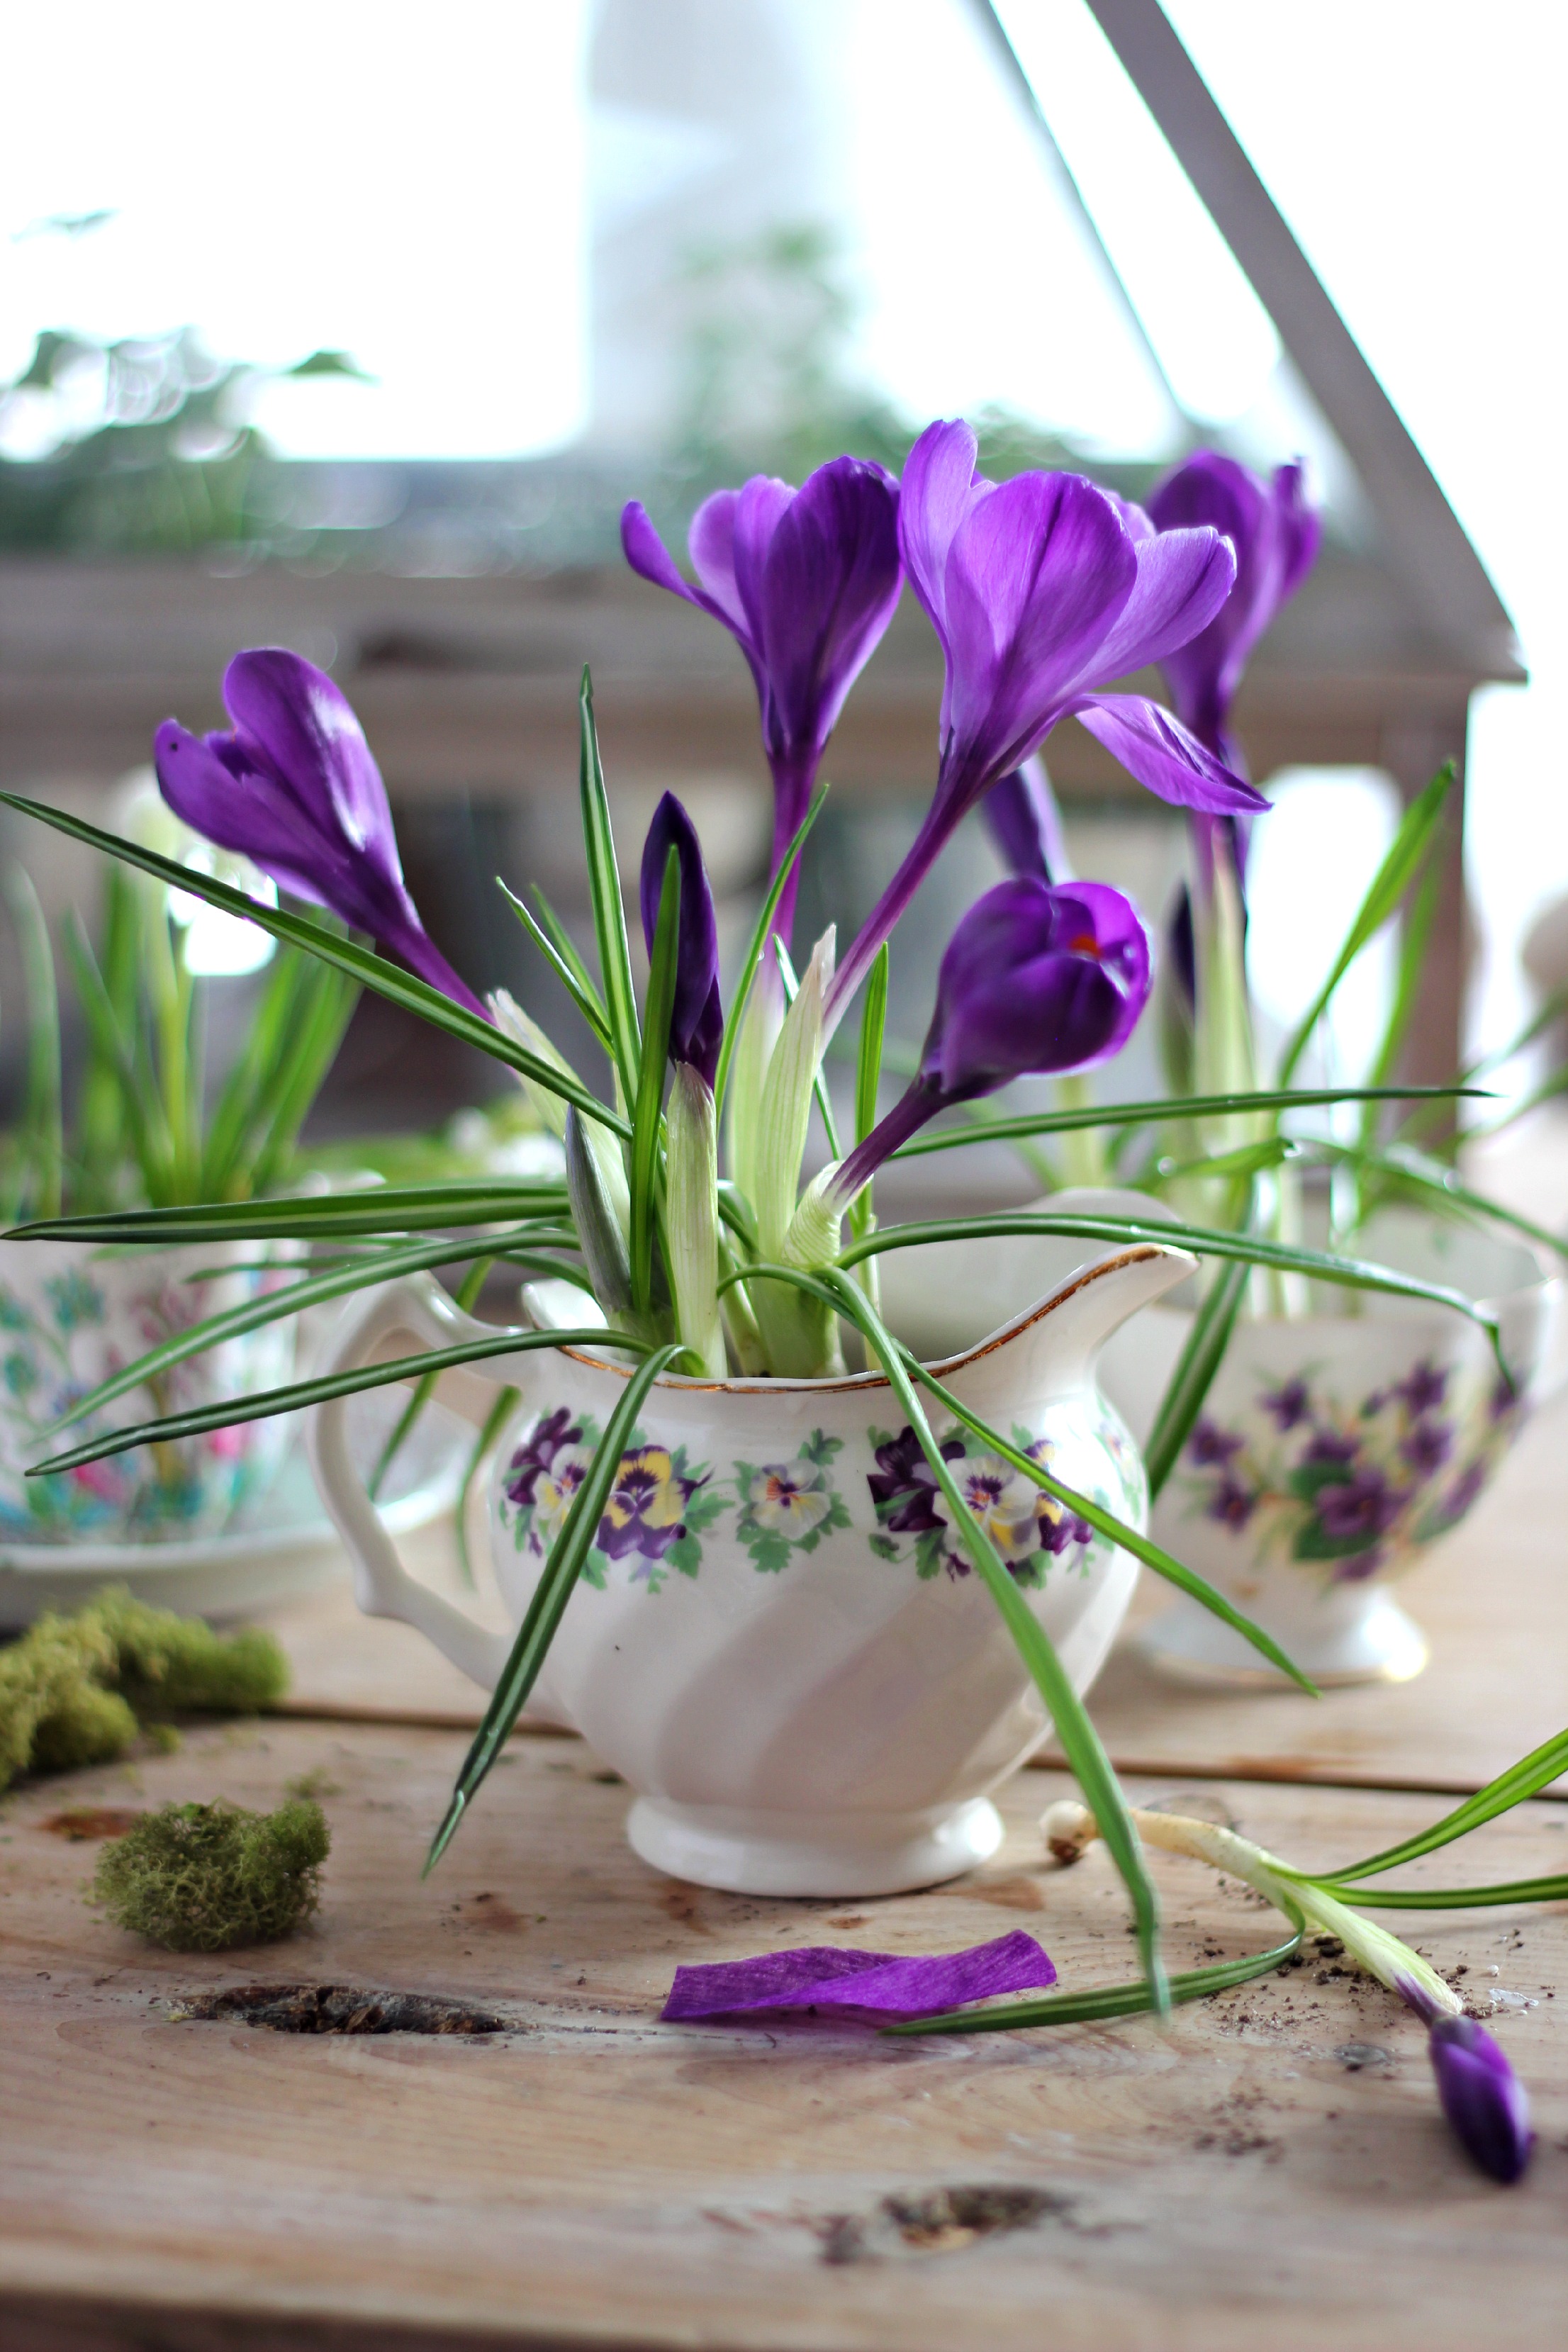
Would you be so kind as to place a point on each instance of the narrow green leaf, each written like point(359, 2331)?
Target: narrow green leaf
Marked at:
point(42, 1115)
point(584, 997)
point(1142, 1547)
point(1194, 1374)
point(1413, 945)
point(759, 939)
point(379, 1209)
point(1407, 854)
point(265, 1403)
point(566, 949)
point(1107, 2001)
point(1525, 1779)
point(363, 1273)
point(389, 980)
point(556, 1583)
point(1081, 1743)
point(412, 1412)
point(982, 1130)
point(649, 1098)
point(609, 914)
point(1456, 1898)
point(495, 1421)
point(869, 1061)
point(1438, 1186)
point(141, 1108)
point(1357, 1273)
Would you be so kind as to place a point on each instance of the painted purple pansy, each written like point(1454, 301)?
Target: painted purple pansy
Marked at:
point(1035, 978)
point(1231, 1504)
point(696, 1017)
point(805, 581)
point(1423, 1388)
point(1211, 1446)
point(1275, 535)
point(1359, 1508)
point(535, 1457)
point(294, 788)
point(1288, 1405)
point(1043, 590)
point(826, 1980)
point(903, 1485)
point(1426, 1446)
point(646, 1512)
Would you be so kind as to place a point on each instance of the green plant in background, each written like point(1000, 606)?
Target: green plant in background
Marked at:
point(166, 461)
point(144, 1130)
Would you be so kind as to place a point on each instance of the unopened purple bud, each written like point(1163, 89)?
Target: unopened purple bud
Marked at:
point(293, 787)
point(697, 1020)
point(1482, 2097)
point(1035, 979)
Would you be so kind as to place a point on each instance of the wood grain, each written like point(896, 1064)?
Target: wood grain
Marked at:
point(596, 2178)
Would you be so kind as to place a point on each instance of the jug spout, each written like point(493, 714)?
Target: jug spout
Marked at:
point(1050, 1350)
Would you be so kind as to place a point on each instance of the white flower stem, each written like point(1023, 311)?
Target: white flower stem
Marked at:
point(1069, 1827)
point(692, 1217)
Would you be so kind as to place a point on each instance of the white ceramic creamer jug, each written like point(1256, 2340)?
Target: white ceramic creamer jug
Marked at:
point(777, 1639)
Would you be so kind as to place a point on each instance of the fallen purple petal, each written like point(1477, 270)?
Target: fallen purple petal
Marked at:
point(870, 1985)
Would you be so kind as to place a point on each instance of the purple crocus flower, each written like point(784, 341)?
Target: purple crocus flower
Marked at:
point(806, 581)
point(1275, 534)
point(1035, 979)
point(1042, 590)
point(294, 789)
point(1482, 2097)
point(697, 1019)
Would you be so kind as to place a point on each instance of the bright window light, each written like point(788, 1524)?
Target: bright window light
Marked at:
point(1308, 866)
point(984, 284)
point(409, 189)
point(1214, 339)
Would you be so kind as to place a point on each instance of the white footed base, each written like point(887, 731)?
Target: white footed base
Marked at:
point(747, 1850)
point(1376, 1644)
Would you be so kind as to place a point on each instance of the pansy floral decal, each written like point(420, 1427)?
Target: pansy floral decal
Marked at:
point(789, 1506)
point(1027, 1526)
point(659, 1506)
point(1307, 1478)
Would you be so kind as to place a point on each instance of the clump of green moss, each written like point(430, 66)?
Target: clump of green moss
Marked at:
point(202, 1878)
point(75, 1690)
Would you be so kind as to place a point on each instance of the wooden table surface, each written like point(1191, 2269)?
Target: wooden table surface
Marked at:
point(1271, 2168)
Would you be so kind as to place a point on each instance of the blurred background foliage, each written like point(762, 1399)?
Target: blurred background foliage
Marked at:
point(156, 452)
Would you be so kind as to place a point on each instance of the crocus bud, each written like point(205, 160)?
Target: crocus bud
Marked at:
point(1037, 978)
point(697, 1021)
point(1482, 2097)
point(293, 787)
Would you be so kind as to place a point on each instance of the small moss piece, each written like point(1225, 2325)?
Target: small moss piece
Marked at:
point(203, 1878)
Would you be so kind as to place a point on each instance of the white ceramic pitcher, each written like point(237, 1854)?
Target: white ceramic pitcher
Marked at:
point(777, 1640)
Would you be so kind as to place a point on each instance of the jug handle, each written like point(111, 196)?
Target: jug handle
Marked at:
point(382, 1586)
